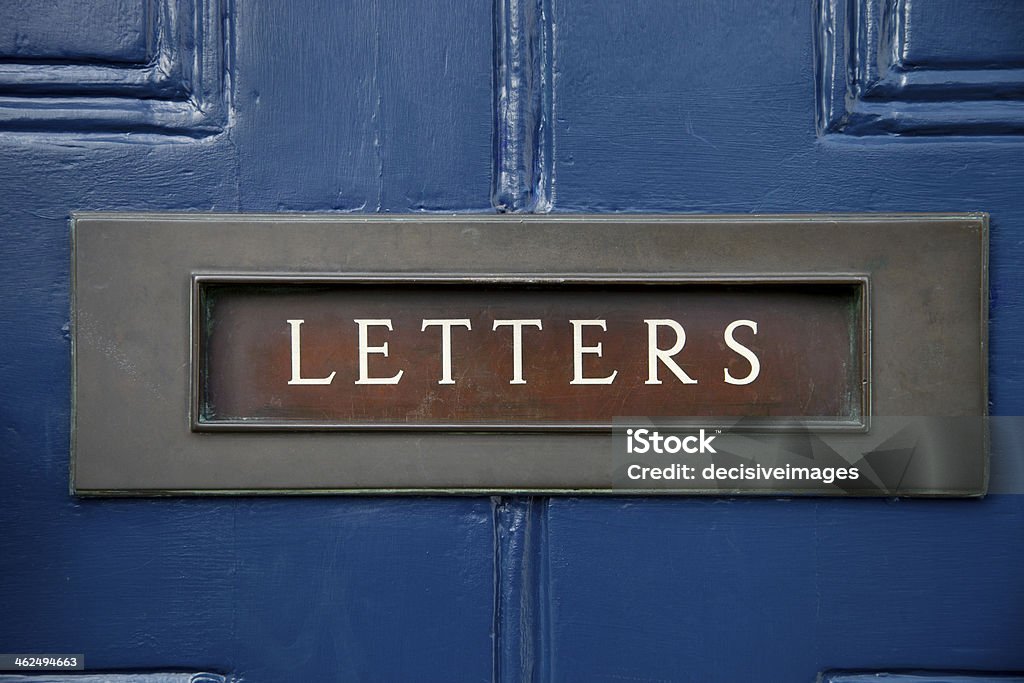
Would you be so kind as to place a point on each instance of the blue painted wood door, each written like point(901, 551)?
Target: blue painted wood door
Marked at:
point(727, 106)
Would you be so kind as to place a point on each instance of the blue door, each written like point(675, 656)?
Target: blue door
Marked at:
point(702, 106)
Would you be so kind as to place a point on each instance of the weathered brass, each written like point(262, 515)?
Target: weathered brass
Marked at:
point(186, 329)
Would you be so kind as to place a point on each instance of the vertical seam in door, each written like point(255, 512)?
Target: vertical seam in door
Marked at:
point(522, 182)
point(524, 37)
point(521, 597)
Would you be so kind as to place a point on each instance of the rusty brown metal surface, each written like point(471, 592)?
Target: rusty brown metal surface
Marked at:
point(810, 343)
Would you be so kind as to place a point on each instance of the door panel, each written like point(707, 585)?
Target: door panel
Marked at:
point(359, 106)
point(695, 107)
point(349, 107)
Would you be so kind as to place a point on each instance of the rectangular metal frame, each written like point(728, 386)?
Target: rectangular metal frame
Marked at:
point(132, 315)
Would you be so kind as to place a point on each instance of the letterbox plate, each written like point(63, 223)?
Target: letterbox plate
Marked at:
point(482, 354)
